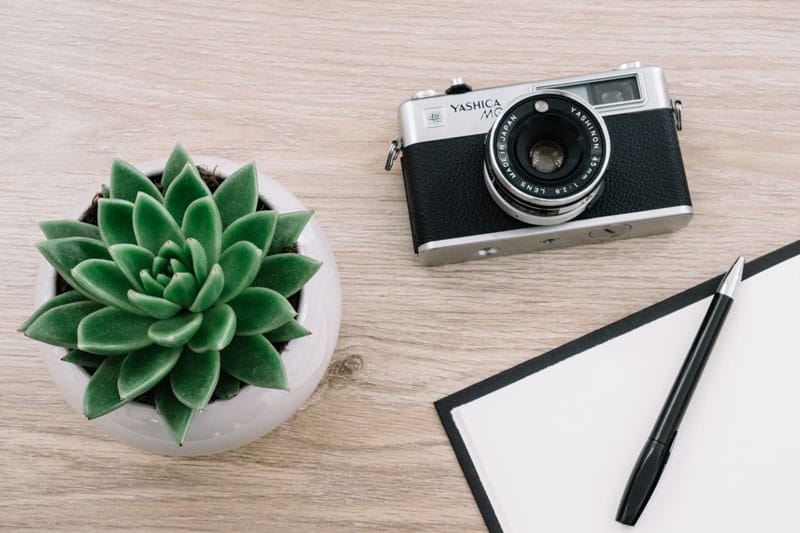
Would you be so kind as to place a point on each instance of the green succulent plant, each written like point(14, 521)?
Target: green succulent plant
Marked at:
point(177, 292)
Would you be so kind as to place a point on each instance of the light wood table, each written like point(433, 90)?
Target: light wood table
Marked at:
point(309, 90)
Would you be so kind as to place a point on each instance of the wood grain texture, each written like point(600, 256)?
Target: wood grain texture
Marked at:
point(309, 91)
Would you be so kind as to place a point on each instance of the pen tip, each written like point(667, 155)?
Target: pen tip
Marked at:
point(738, 268)
point(732, 278)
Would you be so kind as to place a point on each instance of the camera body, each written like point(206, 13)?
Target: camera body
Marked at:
point(473, 191)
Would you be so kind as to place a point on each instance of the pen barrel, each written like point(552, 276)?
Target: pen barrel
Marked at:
point(682, 389)
point(642, 481)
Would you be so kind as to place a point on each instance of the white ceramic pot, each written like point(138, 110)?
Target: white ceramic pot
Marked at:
point(228, 424)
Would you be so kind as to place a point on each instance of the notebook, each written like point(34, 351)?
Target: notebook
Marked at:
point(547, 446)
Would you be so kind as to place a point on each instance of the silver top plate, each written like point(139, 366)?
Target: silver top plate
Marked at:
point(457, 115)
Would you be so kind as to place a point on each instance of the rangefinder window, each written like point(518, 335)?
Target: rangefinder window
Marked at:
point(606, 92)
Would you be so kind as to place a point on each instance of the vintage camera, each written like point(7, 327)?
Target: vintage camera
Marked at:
point(540, 165)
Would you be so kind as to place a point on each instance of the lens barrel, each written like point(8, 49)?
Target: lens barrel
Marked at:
point(546, 156)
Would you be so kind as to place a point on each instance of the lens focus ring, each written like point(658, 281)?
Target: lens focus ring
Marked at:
point(545, 155)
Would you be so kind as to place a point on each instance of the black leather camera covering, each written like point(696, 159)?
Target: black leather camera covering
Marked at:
point(447, 196)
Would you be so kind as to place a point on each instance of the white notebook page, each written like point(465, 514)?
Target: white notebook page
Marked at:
point(554, 449)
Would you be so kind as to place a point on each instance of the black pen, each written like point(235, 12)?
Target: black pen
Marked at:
point(655, 453)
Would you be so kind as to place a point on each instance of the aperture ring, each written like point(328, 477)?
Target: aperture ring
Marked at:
point(538, 216)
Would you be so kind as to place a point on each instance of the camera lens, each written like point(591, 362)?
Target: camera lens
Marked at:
point(545, 157)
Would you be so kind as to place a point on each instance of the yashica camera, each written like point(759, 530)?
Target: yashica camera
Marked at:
point(540, 165)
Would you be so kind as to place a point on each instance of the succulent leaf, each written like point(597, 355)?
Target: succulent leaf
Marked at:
point(240, 264)
point(58, 326)
point(237, 196)
point(153, 225)
point(175, 164)
point(175, 331)
point(202, 222)
point(257, 228)
point(113, 331)
point(181, 289)
point(227, 386)
point(170, 250)
point(57, 229)
point(216, 331)
point(177, 266)
point(159, 265)
point(101, 396)
point(254, 360)
point(104, 282)
point(65, 254)
point(115, 222)
point(150, 284)
point(195, 377)
point(163, 279)
point(153, 305)
point(209, 293)
point(61, 299)
point(187, 187)
point(259, 310)
point(288, 228)
point(176, 415)
point(131, 260)
point(286, 273)
point(84, 359)
point(127, 182)
point(199, 260)
point(143, 369)
point(289, 331)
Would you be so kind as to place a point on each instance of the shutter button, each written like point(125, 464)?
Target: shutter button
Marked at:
point(457, 86)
